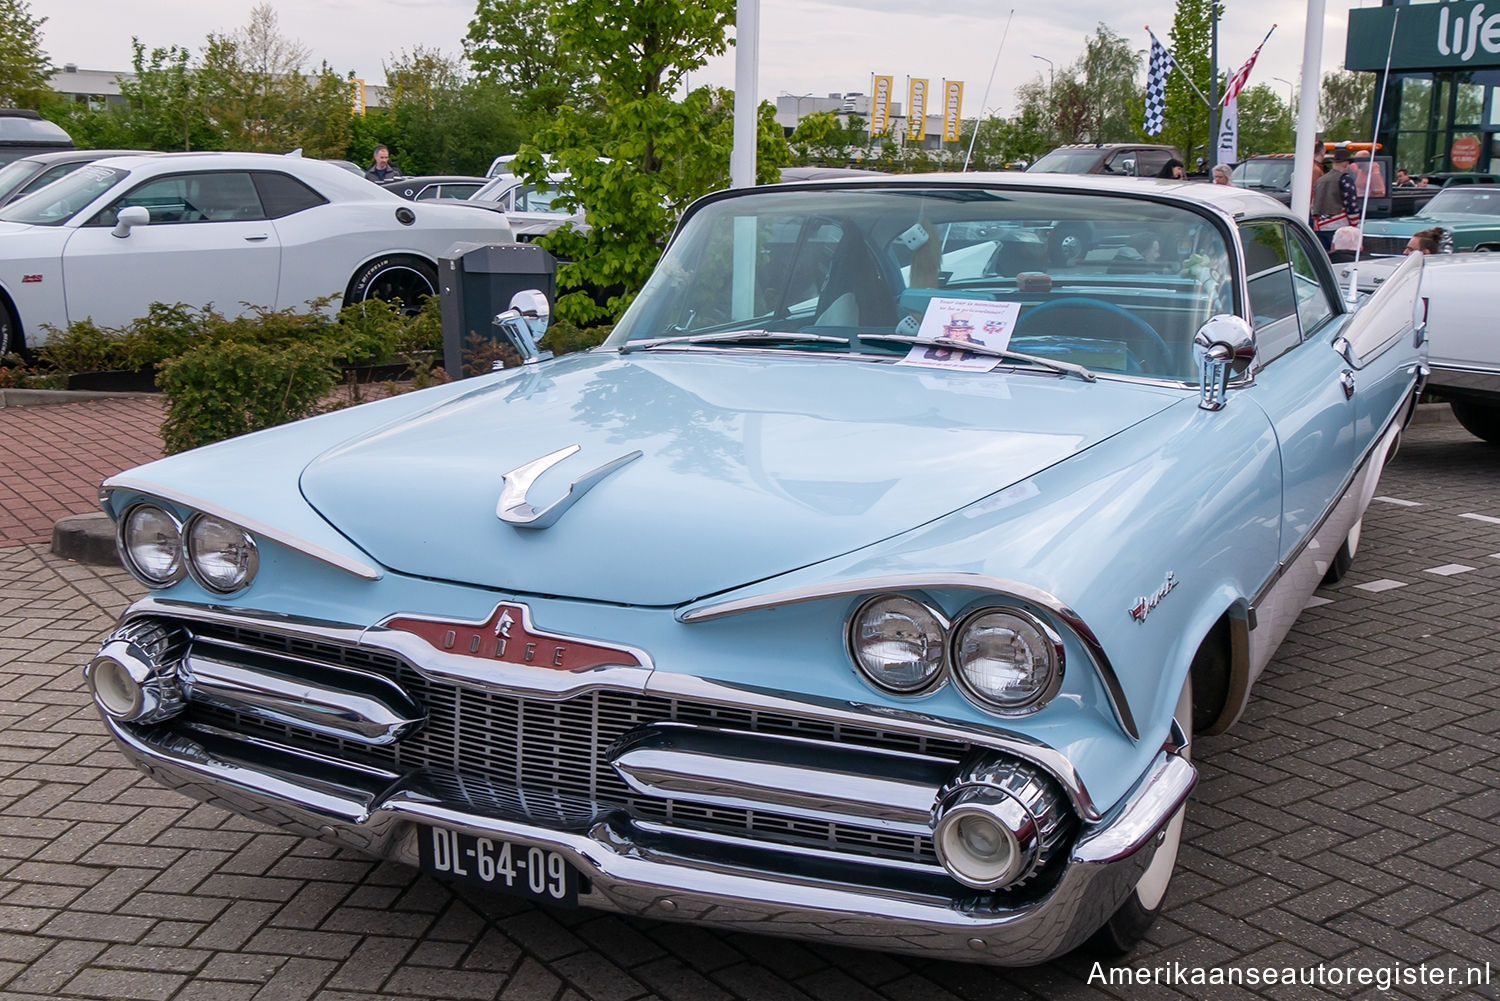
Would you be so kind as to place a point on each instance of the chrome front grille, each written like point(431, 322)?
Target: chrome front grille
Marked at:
point(545, 760)
point(1385, 246)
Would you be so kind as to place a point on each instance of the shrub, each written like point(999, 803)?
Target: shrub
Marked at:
point(221, 388)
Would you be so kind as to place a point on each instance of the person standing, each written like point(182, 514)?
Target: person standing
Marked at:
point(1317, 171)
point(1221, 173)
point(1334, 201)
point(383, 169)
point(1363, 162)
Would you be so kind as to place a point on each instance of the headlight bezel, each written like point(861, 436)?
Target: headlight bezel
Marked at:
point(123, 548)
point(190, 555)
point(929, 685)
point(1051, 640)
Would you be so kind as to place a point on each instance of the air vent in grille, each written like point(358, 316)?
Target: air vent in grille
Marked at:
point(545, 760)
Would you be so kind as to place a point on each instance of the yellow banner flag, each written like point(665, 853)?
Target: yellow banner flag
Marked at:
point(880, 105)
point(953, 103)
point(916, 109)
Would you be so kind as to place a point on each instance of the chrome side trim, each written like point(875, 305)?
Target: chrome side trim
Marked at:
point(1449, 376)
point(467, 671)
point(1113, 690)
point(338, 561)
point(788, 775)
point(337, 702)
point(360, 810)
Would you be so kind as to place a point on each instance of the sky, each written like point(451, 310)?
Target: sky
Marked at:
point(813, 47)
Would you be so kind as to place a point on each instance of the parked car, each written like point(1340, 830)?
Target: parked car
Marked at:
point(530, 208)
point(1120, 159)
point(237, 230)
point(25, 175)
point(1470, 213)
point(24, 132)
point(1462, 295)
point(851, 590)
point(421, 189)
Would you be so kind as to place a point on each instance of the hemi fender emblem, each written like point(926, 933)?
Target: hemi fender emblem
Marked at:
point(510, 637)
point(28, 279)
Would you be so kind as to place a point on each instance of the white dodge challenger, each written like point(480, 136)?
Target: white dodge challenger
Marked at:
point(231, 230)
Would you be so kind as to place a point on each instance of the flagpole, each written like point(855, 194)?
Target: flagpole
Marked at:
point(985, 99)
point(1364, 206)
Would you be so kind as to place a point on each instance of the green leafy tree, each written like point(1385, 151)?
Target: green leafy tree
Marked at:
point(1107, 77)
point(441, 119)
point(24, 67)
point(163, 107)
point(511, 44)
point(1264, 124)
point(1186, 125)
point(822, 139)
point(1346, 105)
point(636, 165)
point(252, 82)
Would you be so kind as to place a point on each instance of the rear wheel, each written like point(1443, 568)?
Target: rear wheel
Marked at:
point(1128, 925)
point(1480, 420)
point(397, 278)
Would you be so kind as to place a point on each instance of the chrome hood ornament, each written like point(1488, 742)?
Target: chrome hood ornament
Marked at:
point(515, 509)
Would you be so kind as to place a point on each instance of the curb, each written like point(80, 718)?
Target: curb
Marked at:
point(86, 538)
point(45, 397)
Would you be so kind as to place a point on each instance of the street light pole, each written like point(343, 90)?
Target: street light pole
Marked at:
point(1049, 75)
point(1291, 100)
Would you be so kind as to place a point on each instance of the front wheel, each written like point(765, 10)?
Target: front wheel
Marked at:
point(1480, 420)
point(1128, 925)
point(397, 279)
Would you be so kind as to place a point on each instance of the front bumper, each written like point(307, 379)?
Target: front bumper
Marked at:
point(632, 870)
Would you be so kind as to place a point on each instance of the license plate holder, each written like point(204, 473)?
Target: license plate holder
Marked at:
point(540, 874)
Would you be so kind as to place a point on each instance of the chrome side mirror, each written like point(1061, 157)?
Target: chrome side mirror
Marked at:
point(1223, 347)
point(524, 323)
point(130, 217)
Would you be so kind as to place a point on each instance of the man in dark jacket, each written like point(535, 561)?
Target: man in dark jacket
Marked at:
point(1334, 201)
point(383, 169)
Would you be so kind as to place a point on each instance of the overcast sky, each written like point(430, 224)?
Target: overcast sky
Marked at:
point(807, 46)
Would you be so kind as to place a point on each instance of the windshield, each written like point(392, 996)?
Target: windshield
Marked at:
point(60, 200)
point(1065, 162)
point(15, 174)
point(1464, 200)
point(1114, 284)
point(1264, 175)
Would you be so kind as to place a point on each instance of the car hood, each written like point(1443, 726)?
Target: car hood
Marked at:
point(1415, 223)
point(750, 467)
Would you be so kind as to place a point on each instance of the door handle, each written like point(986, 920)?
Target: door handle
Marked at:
point(258, 237)
point(1347, 381)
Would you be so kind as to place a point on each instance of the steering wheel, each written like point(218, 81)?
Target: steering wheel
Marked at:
point(1143, 342)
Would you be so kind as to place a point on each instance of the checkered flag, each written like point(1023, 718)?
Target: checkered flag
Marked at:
point(1156, 87)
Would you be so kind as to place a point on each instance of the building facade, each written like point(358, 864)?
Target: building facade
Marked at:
point(1442, 99)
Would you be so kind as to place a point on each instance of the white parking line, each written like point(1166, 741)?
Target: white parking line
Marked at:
point(1449, 569)
point(1398, 501)
point(1381, 585)
point(1315, 601)
point(1482, 517)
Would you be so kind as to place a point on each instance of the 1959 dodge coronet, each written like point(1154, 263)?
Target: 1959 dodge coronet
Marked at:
point(868, 584)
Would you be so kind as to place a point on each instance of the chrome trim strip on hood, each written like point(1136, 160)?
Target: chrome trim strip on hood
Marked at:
point(705, 610)
point(338, 561)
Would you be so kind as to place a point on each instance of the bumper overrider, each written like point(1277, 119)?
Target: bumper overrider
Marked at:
point(677, 800)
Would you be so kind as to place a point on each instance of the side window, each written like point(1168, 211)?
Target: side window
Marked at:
point(1314, 303)
point(217, 197)
point(1273, 299)
point(428, 193)
point(48, 176)
point(1151, 161)
point(283, 195)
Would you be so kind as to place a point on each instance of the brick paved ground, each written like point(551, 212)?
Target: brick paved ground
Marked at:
point(53, 457)
point(1352, 818)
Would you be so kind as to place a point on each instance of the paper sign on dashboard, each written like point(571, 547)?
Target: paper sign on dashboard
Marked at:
point(977, 321)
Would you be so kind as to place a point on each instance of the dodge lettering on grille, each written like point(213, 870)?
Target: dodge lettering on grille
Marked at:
point(509, 636)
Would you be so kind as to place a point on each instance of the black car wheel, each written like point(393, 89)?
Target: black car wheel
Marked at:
point(394, 279)
point(1478, 419)
point(10, 339)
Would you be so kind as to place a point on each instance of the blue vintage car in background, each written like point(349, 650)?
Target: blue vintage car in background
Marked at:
point(868, 584)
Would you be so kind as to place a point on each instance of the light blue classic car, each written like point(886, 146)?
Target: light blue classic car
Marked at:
point(868, 584)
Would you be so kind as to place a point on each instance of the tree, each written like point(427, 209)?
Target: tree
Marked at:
point(1107, 78)
point(252, 83)
point(511, 44)
point(441, 121)
point(1186, 124)
point(24, 67)
point(162, 107)
point(636, 165)
point(1346, 105)
point(1264, 124)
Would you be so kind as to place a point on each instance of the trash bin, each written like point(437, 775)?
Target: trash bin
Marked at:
point(477, 281)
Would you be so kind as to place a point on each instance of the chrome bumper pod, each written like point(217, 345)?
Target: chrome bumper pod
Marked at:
point(378, 812)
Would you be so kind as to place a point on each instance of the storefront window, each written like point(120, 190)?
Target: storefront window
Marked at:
point(1416, 104)
point(1469, 103)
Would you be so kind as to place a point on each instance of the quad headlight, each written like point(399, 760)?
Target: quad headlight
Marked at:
point(150, 542)
point(221, 556)
point(1006, 660)
point(898, 643)
point(1003, 659)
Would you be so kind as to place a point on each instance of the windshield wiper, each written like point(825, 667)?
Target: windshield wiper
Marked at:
point(735, 337)
point(1065, 367)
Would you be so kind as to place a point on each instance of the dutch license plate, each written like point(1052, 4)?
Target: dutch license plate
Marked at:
point(527, 870)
